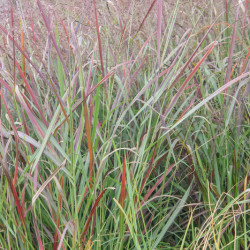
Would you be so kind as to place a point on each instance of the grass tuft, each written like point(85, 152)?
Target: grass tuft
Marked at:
point(124, 125)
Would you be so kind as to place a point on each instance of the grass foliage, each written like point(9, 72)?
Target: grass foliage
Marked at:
point(125, 138)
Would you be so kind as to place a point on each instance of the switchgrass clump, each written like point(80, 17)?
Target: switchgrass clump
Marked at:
point(124, 129)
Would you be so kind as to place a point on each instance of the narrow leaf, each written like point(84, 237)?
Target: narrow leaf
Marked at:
point(171, 220)
point(39, 191)
point(175, 98)
point(122, 195)
point(83, 236)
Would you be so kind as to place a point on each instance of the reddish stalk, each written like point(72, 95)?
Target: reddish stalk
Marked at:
point(99, 39)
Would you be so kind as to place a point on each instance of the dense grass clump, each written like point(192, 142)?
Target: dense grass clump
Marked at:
point(125, 129)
